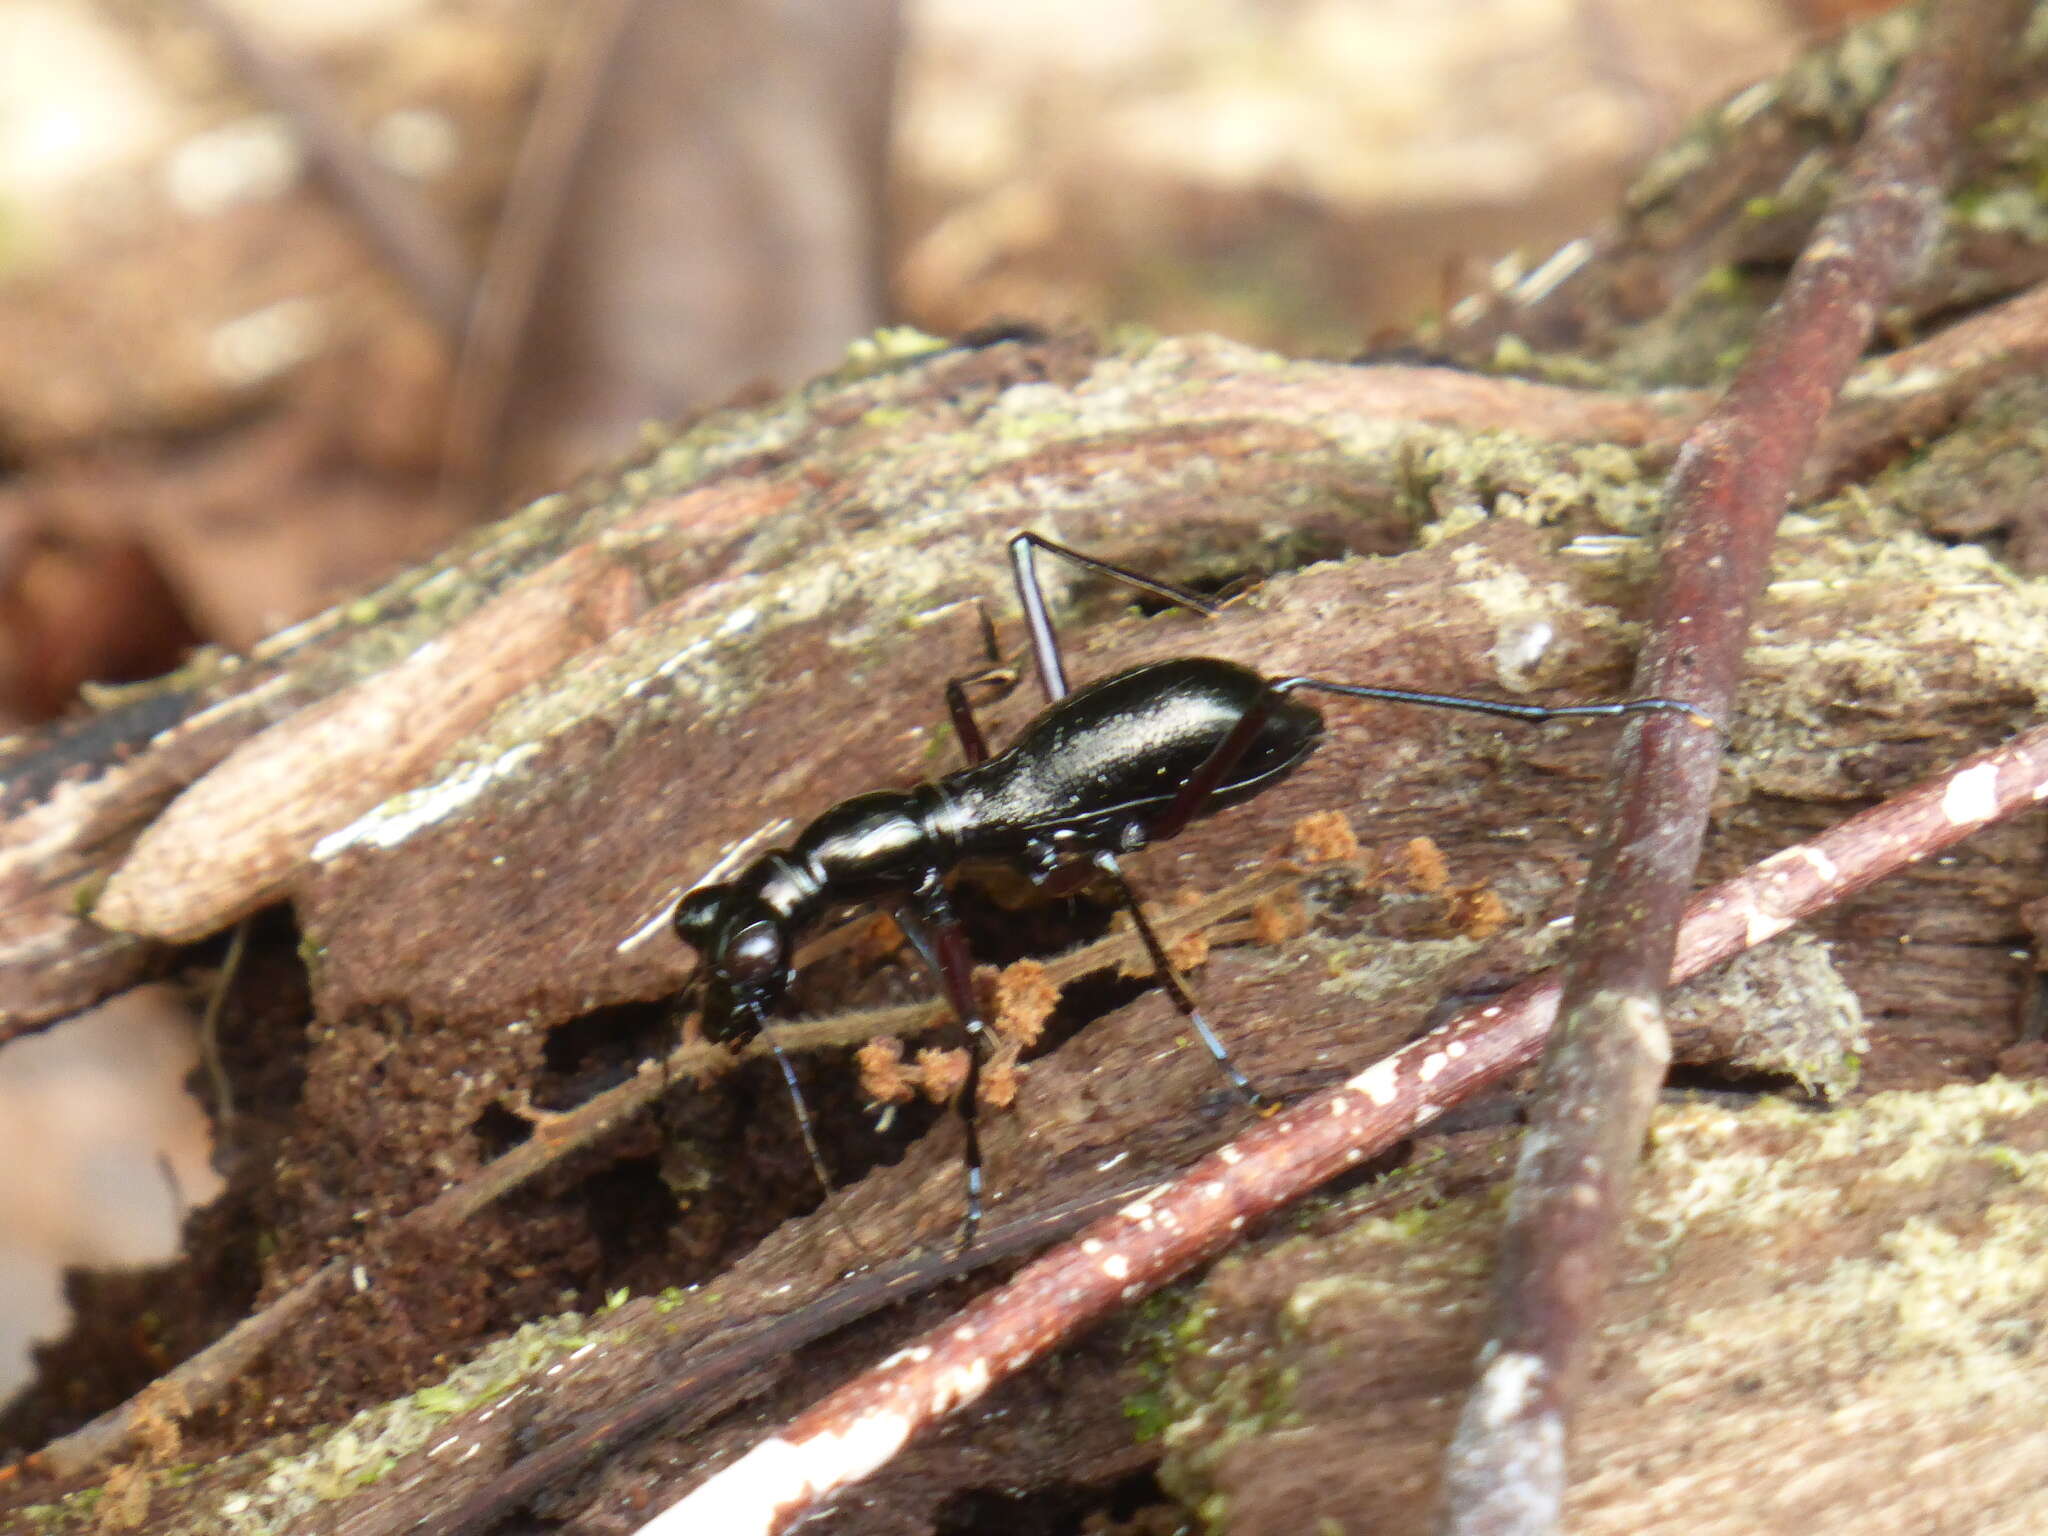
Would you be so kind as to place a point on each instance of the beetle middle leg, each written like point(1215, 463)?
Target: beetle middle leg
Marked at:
point(1188, 801)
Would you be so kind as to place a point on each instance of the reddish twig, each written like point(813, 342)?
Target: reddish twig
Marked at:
point(1605, 1060)
point(694, 1390)
point(1162, 1233)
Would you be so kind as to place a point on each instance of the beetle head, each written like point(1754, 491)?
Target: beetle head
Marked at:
point(743, 955)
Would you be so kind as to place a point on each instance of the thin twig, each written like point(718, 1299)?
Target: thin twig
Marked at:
point(209, 1032)
point(1148, 1242)
point(524, 241)
point(407, 229)
point(1506, 1468)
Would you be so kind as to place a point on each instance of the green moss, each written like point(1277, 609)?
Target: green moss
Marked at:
point(86, 894)
point(1511, 354)
point(1158, 1331)
point(2008, 209)
point(73, 1512)
point(442, 1400)
point(889, 345)
point(2008, 1161)
point(280, 1490)
point(1722, 282)
point(1590, 489)
point(1148, 1415)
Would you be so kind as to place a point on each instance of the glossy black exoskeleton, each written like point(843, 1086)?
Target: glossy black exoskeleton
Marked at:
point(1103, 771)
point(1095, 774)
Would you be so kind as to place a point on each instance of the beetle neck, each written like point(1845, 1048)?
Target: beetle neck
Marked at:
point(788, 888)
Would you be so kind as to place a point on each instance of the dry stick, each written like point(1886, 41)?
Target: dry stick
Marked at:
point(549, 155)
point(1164, 1232)
point(1505, 1472)
point(201, 1379)
point(410, 233)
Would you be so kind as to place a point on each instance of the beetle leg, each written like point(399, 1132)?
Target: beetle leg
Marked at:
point(1045, 645)
point(1189, 799)
point(751, 1024)
point(1177, 989)
point(932, 927)
point(1000, 680)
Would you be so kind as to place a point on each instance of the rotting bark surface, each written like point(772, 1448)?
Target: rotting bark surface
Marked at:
point(469, 944)
point(1810, 1306)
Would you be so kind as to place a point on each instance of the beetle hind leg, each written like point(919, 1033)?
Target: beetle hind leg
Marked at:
point(1169, 978)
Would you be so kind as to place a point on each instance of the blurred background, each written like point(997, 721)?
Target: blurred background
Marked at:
point(293, 291)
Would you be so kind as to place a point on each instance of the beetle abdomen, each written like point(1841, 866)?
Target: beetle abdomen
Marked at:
point(1115, 753)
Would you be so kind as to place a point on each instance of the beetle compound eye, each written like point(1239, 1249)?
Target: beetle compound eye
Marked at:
point(753, 952)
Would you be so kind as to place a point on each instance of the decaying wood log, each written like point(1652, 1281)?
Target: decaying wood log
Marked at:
point(1824, 1322)
point(479, 790)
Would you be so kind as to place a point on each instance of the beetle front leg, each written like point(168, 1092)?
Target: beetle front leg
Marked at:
point(933, 928)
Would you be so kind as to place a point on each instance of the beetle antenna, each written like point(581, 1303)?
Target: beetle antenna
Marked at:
point(1499, 707)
